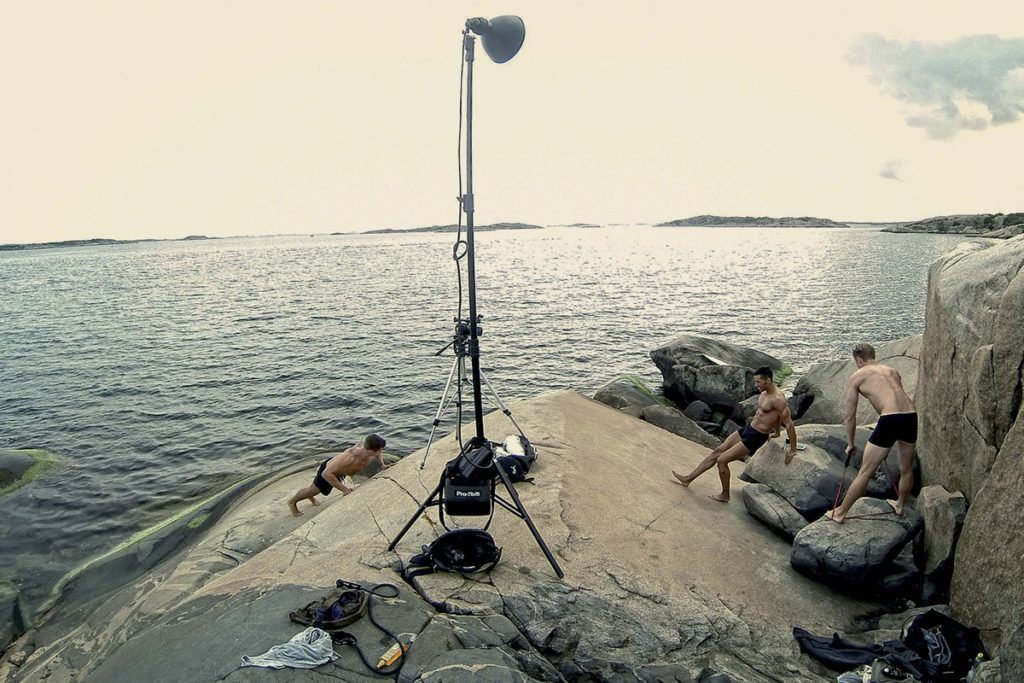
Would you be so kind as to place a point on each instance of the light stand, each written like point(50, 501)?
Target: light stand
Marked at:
point(471, 474)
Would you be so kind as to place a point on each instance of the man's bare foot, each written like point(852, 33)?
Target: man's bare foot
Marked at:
point(314, 501)
point(836, 517)
point(896, 505)
point(721, 498)
point(295, 510)
point(682, 480)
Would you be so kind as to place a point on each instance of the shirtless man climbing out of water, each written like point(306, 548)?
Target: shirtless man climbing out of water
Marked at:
point(772, 410)
point(897, 423)
point(333, 470)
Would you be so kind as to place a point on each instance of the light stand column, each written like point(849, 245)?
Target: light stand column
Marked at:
point(467, 206)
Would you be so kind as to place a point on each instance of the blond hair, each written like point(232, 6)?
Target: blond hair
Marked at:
point(864, 351)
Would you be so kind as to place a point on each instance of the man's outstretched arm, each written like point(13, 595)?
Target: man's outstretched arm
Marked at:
point(787, 420)
point(850, 412)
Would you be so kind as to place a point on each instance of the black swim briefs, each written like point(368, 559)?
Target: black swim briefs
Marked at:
point(319, 481)
point(894, 427)
point(752, 439)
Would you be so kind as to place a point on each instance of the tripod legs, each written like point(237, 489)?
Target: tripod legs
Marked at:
point(520, 511)
point(427, 503)
point(436, 498)
point(458, 366)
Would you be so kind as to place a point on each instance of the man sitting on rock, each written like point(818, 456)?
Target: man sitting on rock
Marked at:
point(772, 410)
point(897, 422)
point(331, 471)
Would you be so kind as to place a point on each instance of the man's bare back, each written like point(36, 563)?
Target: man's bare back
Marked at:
point(882, 386)
point(350, 461)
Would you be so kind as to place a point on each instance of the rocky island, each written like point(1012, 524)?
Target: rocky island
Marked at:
point(752, 222)
point(453, 228)
point(95, 242)
point(998, 225)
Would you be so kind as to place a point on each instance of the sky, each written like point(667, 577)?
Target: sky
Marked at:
point(161, 119)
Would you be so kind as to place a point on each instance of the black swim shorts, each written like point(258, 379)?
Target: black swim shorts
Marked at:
point(894, 427)
point(752, 439)
point(319, 481)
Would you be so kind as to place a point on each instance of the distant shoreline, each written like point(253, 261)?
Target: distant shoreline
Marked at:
point(978, 225)
point(449, 228)
point(97, 242)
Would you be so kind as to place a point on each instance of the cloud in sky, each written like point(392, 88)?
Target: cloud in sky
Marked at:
point(969, 84)
point(892, 170)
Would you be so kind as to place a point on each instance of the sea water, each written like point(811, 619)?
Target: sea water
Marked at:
point(160, 372)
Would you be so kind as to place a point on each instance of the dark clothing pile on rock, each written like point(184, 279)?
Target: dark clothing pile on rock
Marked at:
point(934, 648)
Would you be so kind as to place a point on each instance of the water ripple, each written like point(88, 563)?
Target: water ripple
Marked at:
point(159, 371)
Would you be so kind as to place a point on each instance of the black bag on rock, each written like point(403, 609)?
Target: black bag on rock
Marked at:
point(516, 467)
point(463, 551)
point(334, 611)
point(949, 646)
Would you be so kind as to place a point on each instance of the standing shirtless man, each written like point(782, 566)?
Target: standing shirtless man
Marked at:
point(333, 470)
point(772, 410)
point(897, 423)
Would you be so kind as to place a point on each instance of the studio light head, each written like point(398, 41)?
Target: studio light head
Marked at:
point(501, 36)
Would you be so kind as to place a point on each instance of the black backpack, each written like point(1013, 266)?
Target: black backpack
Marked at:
point(333, 612)
point(463, 551)
point(516, 467)
point(519, 459)
point(948, 647)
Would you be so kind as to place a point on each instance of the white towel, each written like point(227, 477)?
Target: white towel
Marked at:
point(307, 650)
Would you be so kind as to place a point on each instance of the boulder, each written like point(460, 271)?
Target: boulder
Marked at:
point(623, 394)
point(697, 352)
point(19, 466)
point(987, 589)
point(810, 483)
point(744, 410)
point(972, 430)
point(698, 411)
point(971, 362)
point(728, 427)
point(832, 438)
point(772, 510)
point(710, 427)
point(713, 371)
point(825, 383)
point(676, 422)
point(798, 405)
point(902, 577)
point(712, 384)
point(854, 556)
point(943, 514)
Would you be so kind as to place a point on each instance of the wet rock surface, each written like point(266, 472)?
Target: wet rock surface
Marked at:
point(678, 587)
